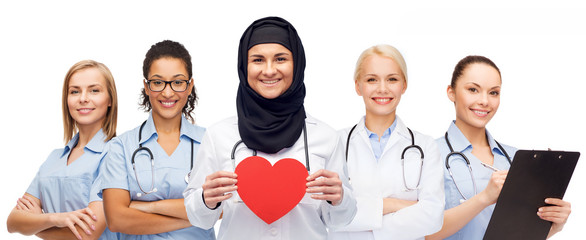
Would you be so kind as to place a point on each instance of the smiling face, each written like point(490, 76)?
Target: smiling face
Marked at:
point(476, 95)
point(270, 69)
point(381, 84)
point(168, 104)
point(87, 98)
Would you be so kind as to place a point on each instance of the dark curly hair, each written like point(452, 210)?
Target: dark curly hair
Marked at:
point(168, 48)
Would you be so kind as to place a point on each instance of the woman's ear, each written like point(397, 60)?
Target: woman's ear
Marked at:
point(357, 87)
point(146, 87)
point(190, 86)
point(451, 94)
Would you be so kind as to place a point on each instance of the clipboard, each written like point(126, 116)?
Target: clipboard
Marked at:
point(534, 175)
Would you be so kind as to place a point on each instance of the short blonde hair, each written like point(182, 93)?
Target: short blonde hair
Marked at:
point(385, 51)
point(109, 124)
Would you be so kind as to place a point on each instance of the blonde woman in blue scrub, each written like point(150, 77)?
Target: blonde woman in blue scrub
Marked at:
point(62, 201)
point(145, 170)
point(475, 90)
point(395, 173)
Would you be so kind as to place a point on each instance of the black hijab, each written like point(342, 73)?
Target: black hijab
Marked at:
point(269, 125)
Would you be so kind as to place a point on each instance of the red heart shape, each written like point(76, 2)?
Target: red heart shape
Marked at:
point(268, 191)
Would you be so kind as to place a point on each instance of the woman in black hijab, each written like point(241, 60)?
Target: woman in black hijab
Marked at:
point(271, 124)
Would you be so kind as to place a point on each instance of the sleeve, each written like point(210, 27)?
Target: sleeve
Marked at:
point(341, 215)
point(113, 170)
point(369, 209)
point(369, 217)
point(35, 188)
point(206, 163)
point(426, 216)
point(95, 190)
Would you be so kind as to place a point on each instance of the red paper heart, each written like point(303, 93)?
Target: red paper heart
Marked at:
point(271, 191)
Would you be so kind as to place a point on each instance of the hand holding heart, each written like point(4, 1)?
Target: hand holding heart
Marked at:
point(327, 183)
point(218, 186)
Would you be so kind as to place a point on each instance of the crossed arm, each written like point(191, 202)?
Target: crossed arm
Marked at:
point(28, 218)
point(143, 218)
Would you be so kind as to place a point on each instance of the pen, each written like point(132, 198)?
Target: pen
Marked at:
point(488, 166)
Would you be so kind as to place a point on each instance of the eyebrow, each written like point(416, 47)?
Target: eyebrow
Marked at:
point(174, 76)
point(90, 86)
point(262, 56)
point(388, 75)
point(477, 85)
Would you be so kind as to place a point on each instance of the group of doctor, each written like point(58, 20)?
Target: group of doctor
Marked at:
point(171, 179)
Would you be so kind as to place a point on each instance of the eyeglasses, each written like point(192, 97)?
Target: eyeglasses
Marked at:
point(159, 85)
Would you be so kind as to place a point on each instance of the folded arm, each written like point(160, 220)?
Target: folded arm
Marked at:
point(27, 218)
point(121, 217)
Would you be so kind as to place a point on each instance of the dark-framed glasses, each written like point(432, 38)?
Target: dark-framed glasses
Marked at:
point(159, 85)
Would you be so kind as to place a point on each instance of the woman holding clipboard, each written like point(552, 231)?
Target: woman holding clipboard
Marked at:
point(476, 165)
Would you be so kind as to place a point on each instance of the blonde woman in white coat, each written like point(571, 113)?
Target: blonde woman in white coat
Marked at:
point(397, 198)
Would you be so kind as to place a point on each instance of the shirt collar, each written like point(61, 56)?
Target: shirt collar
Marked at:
point(191, 131)
point(460, 143)
point(70, 145)
point(187, 129)
point(96, 144)
point(492, 143)
point(386, 133)
point(457, 139)
point(397, 127)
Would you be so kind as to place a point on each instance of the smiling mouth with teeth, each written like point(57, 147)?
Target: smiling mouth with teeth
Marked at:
point(480, 113)
point(269, 81)
point(382, 100)
point(168, 104)
point(85, 110)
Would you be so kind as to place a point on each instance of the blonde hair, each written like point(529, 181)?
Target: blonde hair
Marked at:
point(383, 50)
point(109, 124)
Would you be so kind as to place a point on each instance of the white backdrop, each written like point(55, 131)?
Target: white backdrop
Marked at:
point(539, 48)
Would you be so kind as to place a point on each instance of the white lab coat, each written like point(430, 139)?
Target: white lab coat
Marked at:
point(307, 220)
point(374, 180)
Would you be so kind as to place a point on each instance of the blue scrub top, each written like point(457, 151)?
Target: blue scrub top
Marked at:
point(169, 171)
point(66, 188)
point(476, 228)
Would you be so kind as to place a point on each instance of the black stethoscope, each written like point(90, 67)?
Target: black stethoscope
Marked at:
point(141, 148)
point(413, 145)
point(232, 156)
point(452, 152)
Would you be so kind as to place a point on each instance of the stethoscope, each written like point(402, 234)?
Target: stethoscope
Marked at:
point(232, 156)
point(141, 148)
point(413, 145)
point(452, 152)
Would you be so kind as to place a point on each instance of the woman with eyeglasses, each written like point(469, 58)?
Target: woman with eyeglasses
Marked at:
point(145, 170)
point(272, 124)
point(62, 202)
point(471, 195)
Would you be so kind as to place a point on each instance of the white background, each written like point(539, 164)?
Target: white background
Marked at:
point(539, 47)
